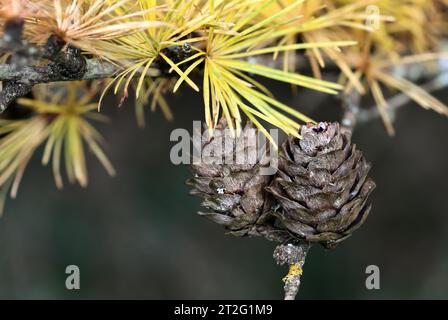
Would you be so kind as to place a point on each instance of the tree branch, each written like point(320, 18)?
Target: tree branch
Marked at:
point(18, 83)
point(21, 73)
point(355, 115)
point(294, 255)
point(351, 105)
point(401, 99)
point(95, 69)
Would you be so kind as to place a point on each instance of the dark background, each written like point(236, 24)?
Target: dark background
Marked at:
point(137, 235)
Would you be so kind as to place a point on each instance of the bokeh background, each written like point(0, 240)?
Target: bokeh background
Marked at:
point(136, 236)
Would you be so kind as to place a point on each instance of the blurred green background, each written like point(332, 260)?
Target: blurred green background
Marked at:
point(137, 235)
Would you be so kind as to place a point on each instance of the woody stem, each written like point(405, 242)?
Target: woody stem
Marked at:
point(294, 255)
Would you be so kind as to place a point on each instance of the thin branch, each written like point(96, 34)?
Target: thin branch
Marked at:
point(351, 104)
point(95, 69)
point(18, 83)
point(401, 99)
point(294, 255)
point(21, 73)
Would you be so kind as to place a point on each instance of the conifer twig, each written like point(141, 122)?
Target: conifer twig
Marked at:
point(95, 69)
point(294, 255)
point(20, 74)
point(399, 100)
point(355, 115)
point(351, 105)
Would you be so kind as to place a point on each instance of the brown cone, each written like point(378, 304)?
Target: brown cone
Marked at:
point(235, 193)
point(322, 185)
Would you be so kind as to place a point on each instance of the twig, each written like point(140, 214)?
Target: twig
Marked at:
point(67, 65)
point(401, 99)
point(95, 69)
point(351, 104)
point(294, 255)
point(19, 75)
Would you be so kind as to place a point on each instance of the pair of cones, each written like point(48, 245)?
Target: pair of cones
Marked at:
point(318, 194)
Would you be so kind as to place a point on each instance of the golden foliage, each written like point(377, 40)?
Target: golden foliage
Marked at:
point(84, 22)
point(60, 124)
point(160, 45)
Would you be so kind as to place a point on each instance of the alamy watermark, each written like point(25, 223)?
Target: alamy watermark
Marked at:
point(373, 17)
point(225, 147)
point(373, 278)
point(73, 280)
